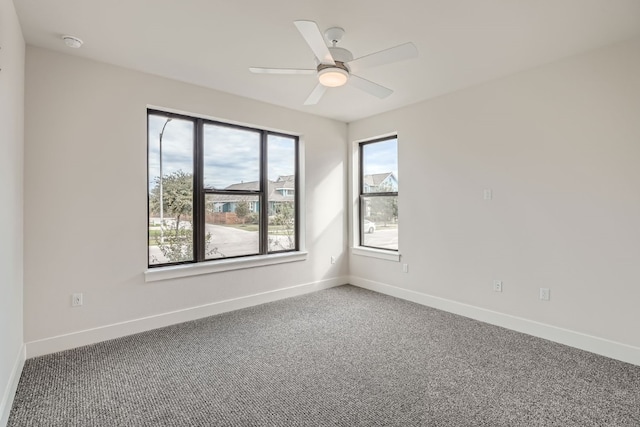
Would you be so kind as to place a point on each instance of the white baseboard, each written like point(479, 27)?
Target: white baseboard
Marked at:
point(12, 386)
point(601, 346)
point(116, 330)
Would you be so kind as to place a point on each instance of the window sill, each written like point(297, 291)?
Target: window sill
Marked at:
point(376, 253)
point(186, 270)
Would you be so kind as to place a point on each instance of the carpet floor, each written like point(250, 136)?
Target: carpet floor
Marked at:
point(338, 357)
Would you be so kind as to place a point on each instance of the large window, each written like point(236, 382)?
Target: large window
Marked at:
point(379, 193)
point(218, 190)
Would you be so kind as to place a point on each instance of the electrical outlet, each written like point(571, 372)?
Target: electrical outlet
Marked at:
point(333, 259)
point(545, 294)
point(497, 285)
point(488, 194)
point(76, 300)
point(405, 268)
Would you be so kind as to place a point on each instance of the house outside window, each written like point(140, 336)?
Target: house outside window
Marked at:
point(215, 190)
point(378, 193)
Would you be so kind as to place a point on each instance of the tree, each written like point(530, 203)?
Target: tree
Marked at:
point(242, 210)
point(282, 234)
point(177, 196)
point(384, 208)
point(176, 230)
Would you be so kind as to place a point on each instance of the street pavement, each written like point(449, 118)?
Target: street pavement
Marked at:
point(382, 238)
point(230, 242)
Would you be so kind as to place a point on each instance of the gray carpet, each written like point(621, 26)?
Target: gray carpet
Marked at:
point(339, 357)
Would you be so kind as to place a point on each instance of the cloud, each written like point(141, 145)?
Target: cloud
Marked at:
point(177, 147)
point(231, 155)
point(281, 155)
point(381, 157)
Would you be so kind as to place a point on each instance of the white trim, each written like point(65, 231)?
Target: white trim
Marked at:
point(116, 330)
point(216, 266)
point(353, 195)
point(601, 346)
point(376, 253)
point(12, 386)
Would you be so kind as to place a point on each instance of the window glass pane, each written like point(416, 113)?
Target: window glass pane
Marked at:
point(232, 225)
point(231, 158)
point(245, 193)
point(380, 222)
point(281, 194)
point(380, 166)
point(170, 189)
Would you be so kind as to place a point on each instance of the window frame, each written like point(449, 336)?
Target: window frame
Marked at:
point(362, 195)
point(200, 192)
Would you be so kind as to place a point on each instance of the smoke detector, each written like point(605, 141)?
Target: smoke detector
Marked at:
point(72, 42)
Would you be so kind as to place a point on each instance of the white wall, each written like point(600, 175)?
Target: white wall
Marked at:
point(86, 195)
point(11, 201)
point(559, 146)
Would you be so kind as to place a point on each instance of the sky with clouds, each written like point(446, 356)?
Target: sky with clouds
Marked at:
point(381, 157)
point(232, 155)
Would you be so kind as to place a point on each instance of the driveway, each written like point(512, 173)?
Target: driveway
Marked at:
point(382, 238)
point(230, 241)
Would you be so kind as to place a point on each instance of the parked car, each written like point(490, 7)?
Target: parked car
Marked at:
point(369, 226)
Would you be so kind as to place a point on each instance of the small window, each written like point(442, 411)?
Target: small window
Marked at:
point(379, 193)
point(218, 191)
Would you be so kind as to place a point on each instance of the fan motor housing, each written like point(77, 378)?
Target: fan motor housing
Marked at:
point(339, 64)
point(333, 75)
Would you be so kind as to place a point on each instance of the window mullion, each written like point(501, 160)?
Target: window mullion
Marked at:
point(297, 196)
point(386, 193)
point(199, 214)
point(361, 220)
point(264, 190)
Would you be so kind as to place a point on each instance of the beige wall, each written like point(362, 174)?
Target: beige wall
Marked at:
point(86, 196)
point(11, 201)
point(559, 146)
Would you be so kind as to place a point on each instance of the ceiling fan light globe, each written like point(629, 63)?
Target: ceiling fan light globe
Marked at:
point(333, 77)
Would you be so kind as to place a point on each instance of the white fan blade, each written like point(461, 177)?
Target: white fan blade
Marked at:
point(370, 87)
point(260, 70)
point(393, 54)
point(315, 96)
point(314, 39)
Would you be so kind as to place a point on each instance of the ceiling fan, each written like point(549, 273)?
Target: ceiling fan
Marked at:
point(335, 65)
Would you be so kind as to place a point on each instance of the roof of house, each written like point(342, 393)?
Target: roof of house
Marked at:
point(377, 178)
point(245, 186)
point(284, 181)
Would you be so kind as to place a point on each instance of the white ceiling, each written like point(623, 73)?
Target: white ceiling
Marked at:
point(212, 43)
